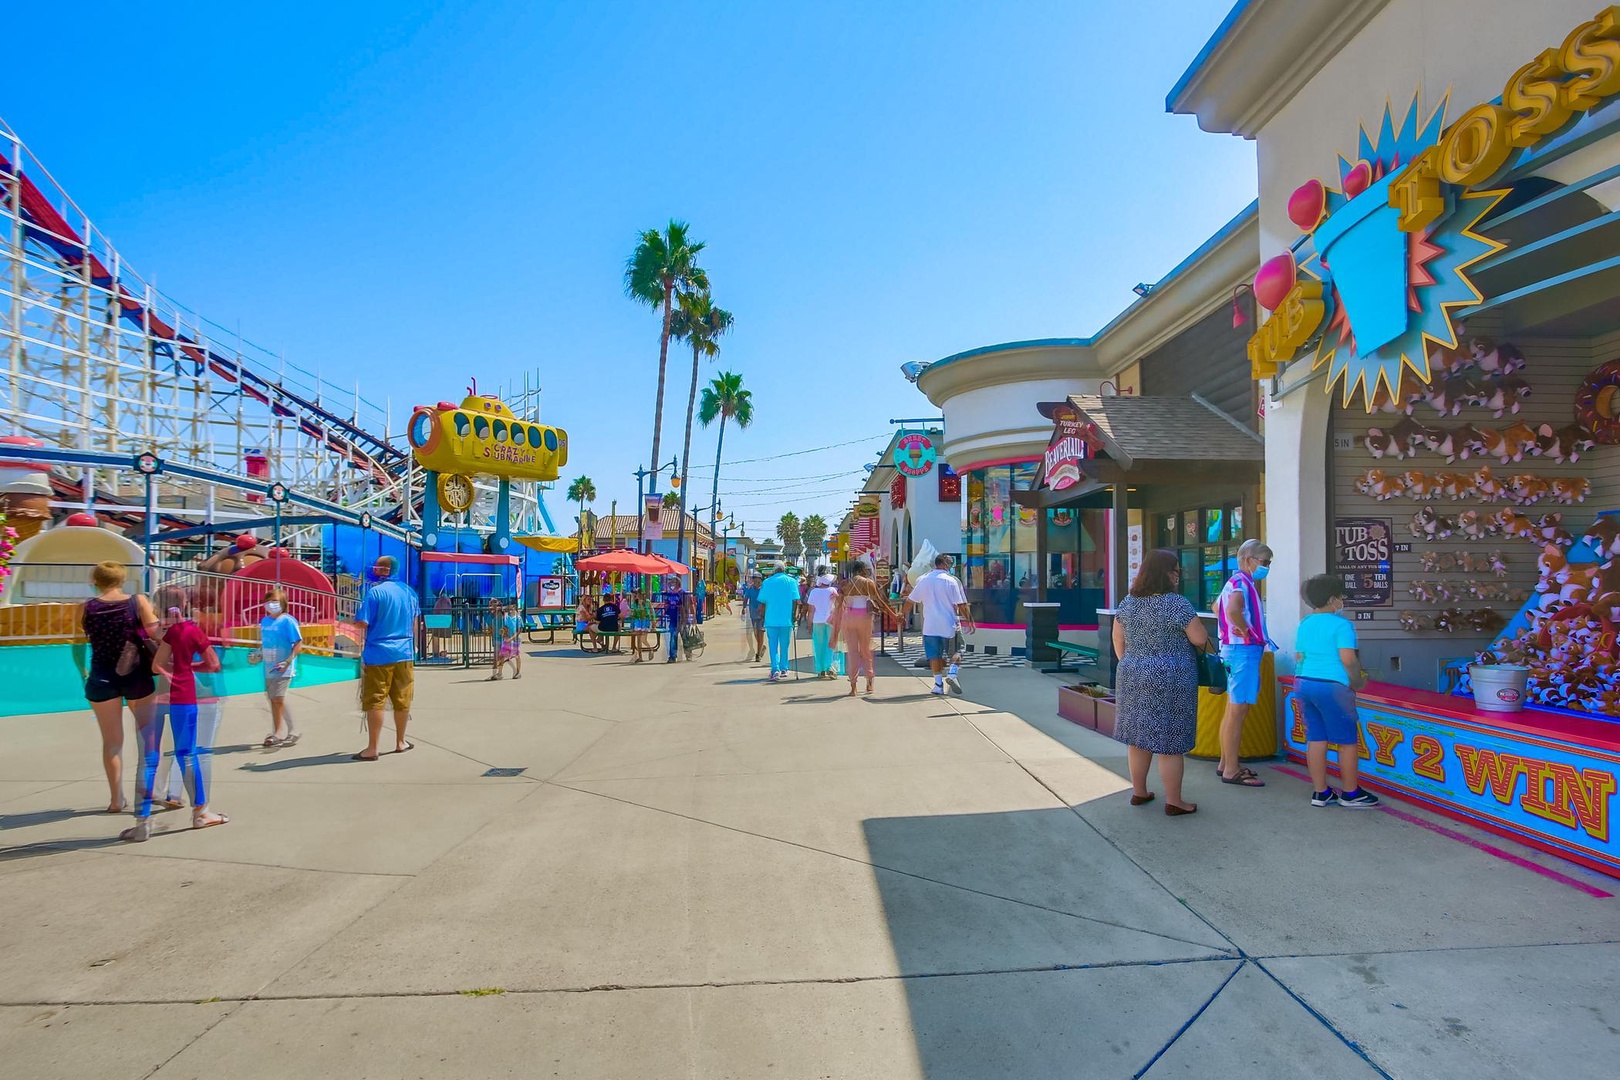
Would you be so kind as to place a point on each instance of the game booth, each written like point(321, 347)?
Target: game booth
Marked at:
point(1453, 289)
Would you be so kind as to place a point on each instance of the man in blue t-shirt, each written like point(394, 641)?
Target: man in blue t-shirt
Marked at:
point(387, 617)
point(674, 614)
point(779, 596)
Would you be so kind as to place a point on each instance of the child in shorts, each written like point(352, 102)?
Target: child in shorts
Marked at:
point(1327, 673)
point(280, 642)
point(640, 623)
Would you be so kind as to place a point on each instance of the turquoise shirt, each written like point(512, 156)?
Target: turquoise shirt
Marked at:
point(778, 595)
point(1320, 638)
point(389, 611)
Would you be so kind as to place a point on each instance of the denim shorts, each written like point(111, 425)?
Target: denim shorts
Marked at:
point(1243, 672)
point(938, 648)
point(1329, 709)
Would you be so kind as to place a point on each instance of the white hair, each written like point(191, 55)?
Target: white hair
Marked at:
point(1253, 549)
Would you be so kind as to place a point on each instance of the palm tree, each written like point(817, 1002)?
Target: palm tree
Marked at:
point(724, 399)
point(700, 324)
point(787, 531)
point(663, 264)
point(582, 491)
point(813, 532)
point(671, 500)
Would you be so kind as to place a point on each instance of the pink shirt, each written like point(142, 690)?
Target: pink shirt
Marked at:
point(1244, 585)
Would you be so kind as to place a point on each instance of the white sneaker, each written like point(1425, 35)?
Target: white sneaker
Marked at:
point(938, 690)
point(954, 683)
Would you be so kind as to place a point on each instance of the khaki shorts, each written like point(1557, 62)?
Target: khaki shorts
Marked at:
point(384, 684)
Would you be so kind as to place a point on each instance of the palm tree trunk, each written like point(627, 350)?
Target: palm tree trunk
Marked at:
point(686, 462)
point(658, 412)
point(714, 492)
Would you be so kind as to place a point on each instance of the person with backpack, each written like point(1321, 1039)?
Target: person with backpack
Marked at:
point(119, 629)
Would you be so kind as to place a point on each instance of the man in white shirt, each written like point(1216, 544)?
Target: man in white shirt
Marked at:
point(819, 606)
point(945, 611)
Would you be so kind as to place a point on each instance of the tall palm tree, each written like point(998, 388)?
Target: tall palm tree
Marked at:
point(700, 324)
point(582, 491)
point(787, 531)
point(663, 264)
point(671, 500)
point(724, 399)
point(813, 532)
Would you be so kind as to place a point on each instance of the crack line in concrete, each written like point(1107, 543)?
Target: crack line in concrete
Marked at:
point(602, 988)
point(894, 870)
point(1191, 1020)
point(1354, 1046)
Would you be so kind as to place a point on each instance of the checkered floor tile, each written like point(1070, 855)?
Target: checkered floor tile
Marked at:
point(913, 652)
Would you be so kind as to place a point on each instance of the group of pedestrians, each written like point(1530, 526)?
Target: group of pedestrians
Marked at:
point(1157, 636)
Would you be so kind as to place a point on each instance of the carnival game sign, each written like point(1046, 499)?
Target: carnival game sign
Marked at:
point(1555, 794)
point(914, 454)
point(1362, 549)
point(1381, 269)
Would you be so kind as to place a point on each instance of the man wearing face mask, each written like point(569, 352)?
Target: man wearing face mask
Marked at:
point(1242, 622)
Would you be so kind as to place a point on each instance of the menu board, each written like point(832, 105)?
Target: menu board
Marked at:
point(1362, 548)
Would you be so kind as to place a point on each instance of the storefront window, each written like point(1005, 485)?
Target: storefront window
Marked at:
point(1002, 548)
point(1205, 541)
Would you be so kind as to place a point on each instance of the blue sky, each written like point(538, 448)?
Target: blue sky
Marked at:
point(410, 194)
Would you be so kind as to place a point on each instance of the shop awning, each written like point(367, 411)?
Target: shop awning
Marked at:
point(1156, 440)
point(562, 545)
point(1138, 431)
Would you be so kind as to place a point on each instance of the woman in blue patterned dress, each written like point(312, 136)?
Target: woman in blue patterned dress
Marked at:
point(1156, 686)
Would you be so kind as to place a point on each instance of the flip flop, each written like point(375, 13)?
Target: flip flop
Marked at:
point(218, 819)
point(361, 756)
point(1245, 778)
point(407, 746)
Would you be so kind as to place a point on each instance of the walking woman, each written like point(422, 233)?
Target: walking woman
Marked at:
point(121, 629)
point(185, 652)
point(1155, 633)
point(855, 608)
point(819, 606)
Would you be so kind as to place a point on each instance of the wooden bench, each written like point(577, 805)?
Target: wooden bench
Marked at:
point(1085, 656)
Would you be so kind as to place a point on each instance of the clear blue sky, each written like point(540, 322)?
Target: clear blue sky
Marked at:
point(410, 194)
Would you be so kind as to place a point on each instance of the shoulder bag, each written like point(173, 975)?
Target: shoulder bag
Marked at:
point(1211, 670)
point(138, 651)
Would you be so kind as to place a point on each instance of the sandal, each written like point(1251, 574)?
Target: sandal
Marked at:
point(271, 741)
point(209, 820)
point(170, 804)
point(1245, 778)
point(407, 746)
point(139, 833)
point(290, 740)
point(361, 756)
point(119, 809)
point(1142, 800)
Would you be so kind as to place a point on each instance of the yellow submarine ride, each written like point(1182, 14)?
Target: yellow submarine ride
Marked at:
point(481, 437)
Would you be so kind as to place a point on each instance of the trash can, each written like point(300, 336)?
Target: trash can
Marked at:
point(1259, 739)
point(1040, 628)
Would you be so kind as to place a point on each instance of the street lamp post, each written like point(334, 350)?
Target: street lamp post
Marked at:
point(641, 500)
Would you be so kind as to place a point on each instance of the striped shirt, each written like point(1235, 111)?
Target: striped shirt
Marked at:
point(1244, 585)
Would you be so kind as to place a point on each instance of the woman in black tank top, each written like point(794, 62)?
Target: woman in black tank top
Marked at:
point(110, 620)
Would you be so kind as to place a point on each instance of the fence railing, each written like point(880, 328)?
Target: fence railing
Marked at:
point(44, 603)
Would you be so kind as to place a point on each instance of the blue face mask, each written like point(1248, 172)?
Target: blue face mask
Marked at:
point(1260, 573)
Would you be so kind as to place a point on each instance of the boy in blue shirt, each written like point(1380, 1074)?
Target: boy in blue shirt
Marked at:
point(1327, 671)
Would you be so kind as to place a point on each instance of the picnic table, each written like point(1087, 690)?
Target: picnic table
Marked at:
point(547, 621)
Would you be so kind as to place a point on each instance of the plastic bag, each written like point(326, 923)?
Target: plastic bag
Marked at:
point(923, 563)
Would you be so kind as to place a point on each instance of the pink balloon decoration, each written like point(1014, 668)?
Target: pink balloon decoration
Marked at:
point(1277, 275)
point(1358, 178)
point(1307, 204)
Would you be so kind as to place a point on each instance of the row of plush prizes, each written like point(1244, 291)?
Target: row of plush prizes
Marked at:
point(1481, 485)
point(1569, 640)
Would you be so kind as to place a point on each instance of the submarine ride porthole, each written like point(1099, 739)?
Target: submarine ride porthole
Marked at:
point(534, 438)
point(500, 431)
point(517, 434)
point(551, 440)
point(462, 424)
point(481, 427)
point(421, 429)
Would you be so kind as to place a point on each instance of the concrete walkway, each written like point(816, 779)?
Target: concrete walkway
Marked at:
point(700, 875)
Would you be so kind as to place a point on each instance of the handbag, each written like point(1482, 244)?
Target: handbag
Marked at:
point(138, 651)
point(1211, 670)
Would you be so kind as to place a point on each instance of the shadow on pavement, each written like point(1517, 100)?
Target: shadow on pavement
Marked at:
point(283, 764)
point(46, 817)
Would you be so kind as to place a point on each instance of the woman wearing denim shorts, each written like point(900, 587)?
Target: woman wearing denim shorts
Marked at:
point(1326, 669)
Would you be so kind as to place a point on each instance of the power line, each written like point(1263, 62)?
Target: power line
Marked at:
point(785, 479)
point(795, 453)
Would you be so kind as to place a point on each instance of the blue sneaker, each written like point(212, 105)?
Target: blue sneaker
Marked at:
point(1324, 798)
point(1358, 800)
